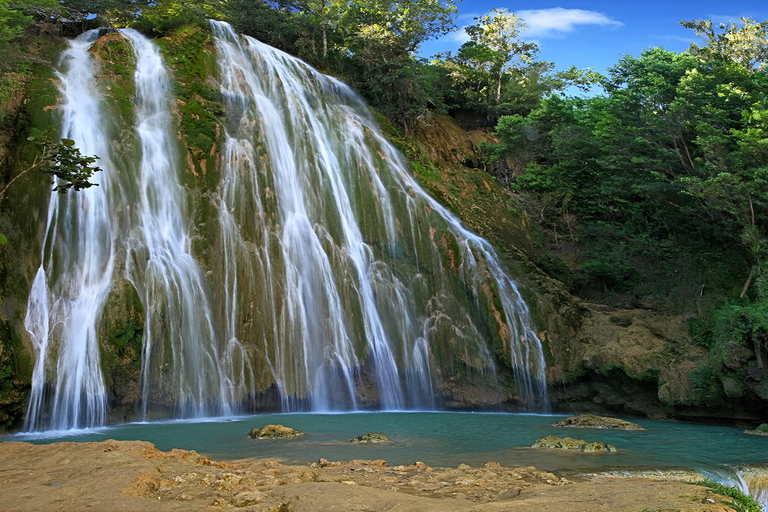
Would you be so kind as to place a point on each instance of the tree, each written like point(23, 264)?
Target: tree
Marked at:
point(746, 45)
point(496, 35)
point(491, 57)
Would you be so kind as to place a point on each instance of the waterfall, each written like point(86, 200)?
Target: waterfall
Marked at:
point(178, 324)
point(342, 212)
point(74, 279)
point(335, 280)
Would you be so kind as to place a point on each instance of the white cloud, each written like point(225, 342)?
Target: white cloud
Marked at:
point(557, 21)
point(541, 23)
point(458, 36)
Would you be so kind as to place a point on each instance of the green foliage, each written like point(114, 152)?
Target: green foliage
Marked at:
point(164, 16)
point(670, 163)
point(12, 21)
point(706, 386)
point(128, 339)
point(745, 44)
point(763, 427)
point(63, 161)
point(741, 502)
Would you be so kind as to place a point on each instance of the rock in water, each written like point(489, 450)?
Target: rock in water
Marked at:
point(274, 432)
point(762, 430)
point(594, 421)
point(568, 443)
point(371, 438)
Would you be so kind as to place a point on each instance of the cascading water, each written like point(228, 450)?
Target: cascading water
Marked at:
point(744, 478)
point(341, 215)
point(179, 355)
point(75, 276)
point(335, 277)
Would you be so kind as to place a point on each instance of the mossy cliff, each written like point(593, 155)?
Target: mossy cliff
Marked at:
point(27, 108)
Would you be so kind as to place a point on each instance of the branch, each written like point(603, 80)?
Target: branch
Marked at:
point(22, 173)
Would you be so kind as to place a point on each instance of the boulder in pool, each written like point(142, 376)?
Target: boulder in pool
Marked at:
point(371, 438)
point(762, 430)
point(594, 421)
point(568, 443)
point(274, 432)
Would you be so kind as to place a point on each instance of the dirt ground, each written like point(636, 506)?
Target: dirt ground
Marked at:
point(134, 475)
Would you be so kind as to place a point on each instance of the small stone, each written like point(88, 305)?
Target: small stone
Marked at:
point(508, 494)
point(248, 498)
point(463, 467)
point(274, 432)
point(421, 465)
point(371, 438)
point(490, 464)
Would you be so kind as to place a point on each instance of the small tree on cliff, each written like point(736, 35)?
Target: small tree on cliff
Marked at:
point(62, 160)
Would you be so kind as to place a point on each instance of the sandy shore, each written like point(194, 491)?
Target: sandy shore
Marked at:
point(134, 475)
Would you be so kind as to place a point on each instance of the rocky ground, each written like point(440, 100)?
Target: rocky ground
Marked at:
point(134, 475)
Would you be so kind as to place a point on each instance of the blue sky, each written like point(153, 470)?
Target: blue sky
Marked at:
point(596, 33)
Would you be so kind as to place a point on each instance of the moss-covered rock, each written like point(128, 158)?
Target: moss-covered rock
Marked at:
point(761, 430)
point(371, 438)
point(274, 432)
point(599, 422)
point(569, 443)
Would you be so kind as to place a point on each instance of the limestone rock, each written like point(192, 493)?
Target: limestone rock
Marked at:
point(371, 438)
point(274, 432)
point(594, 421)
point(568, 443)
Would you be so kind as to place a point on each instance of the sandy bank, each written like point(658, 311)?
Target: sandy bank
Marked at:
point(134, 475)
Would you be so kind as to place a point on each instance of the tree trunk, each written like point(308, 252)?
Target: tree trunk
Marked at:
point(325, 40)
point(749, 281)
point(498, 88)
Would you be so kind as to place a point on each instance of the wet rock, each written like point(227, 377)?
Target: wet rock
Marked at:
point(736, 355)
point(568, 443)
point(274, 432)
point(733, 388)
point(762, 430)
point(371, 438)
point(594, 421)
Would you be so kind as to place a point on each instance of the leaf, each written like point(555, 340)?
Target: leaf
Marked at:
point(3, 239)
point(68, 142)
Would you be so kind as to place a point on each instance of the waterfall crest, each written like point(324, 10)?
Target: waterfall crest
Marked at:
point(337, 282)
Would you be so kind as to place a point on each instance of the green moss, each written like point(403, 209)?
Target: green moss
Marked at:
point(15, 375)
point(121, 354)
point(190, 54)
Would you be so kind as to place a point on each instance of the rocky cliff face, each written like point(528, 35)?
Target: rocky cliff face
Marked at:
point(603, 358)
